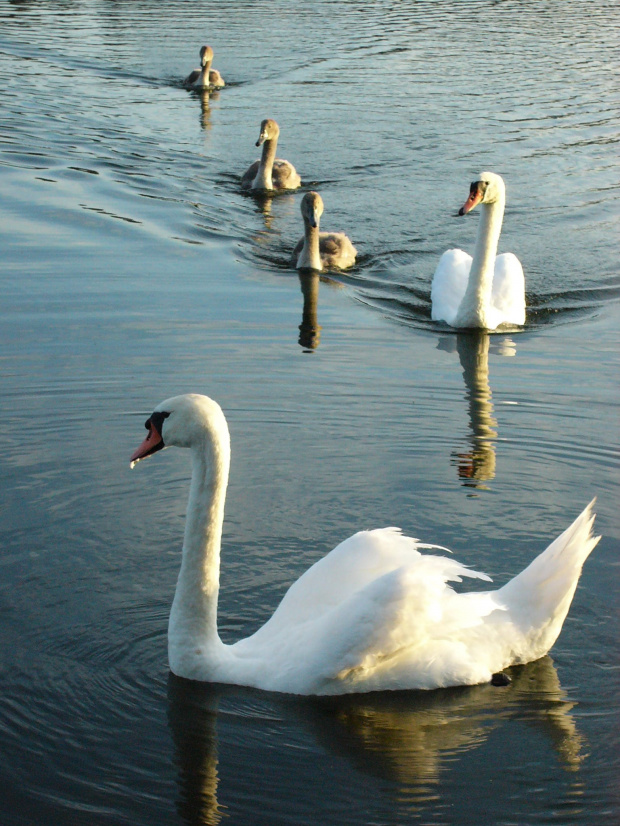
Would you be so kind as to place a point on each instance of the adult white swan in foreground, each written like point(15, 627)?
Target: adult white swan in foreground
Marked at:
point(320, 250)
point(373, 614)
point(488, 289)
point(270, 172)
point(205, 77)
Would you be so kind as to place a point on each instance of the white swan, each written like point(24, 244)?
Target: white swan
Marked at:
point(489, 289)
point(320, 250)
point(205, 77)
point(373, 614)
point(270, 172)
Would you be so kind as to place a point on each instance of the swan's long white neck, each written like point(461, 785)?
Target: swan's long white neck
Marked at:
point(263, 179)
point(192, 628)
point(473, 310)
point(310, 255)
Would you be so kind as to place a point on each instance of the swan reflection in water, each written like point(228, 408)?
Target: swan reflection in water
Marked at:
point(408, 738)
point(477, 464)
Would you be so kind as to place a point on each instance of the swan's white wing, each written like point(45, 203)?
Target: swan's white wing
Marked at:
point(508, 293)
point(362, 558)
point(402, 620)
point(449, 284)
point(371, 614)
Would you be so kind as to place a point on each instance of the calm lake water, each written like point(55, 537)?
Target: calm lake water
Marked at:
point(132, 268)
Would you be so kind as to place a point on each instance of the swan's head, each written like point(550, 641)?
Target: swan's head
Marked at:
point(488, 189)
point(269, 130)
point(312, 208)
point(182, 421)
point(206, 55)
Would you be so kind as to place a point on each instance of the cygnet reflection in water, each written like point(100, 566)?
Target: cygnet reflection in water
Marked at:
point(309, 329)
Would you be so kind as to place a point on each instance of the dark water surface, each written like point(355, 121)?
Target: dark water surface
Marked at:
point(131, 269)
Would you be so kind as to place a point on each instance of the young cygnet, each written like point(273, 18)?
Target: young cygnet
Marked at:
point(320, 250)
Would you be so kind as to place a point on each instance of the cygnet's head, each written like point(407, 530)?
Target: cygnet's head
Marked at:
point(181, 421)
point(206, 55)
point(269, 130)
point(312, 208)
point(487, 189)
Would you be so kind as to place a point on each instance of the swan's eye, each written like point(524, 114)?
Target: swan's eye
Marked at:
point(157, 420)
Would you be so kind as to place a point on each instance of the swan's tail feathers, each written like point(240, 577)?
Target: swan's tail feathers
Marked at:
point(539, 597)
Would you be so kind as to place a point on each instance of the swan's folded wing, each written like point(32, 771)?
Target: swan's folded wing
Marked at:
point(392, 632)
point(284, 175)
point(331, 244)
point(362, 558)
point(249, 175)
point(449, 284)
point(298, 248)
point(359, 560)
point(345, 625)
point(192, 77)
point(508, 292)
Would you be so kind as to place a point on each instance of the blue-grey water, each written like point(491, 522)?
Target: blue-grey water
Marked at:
point(132, 269)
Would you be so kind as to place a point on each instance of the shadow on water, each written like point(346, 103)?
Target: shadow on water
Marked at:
point(405, 738)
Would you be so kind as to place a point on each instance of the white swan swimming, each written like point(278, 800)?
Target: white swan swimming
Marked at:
point(270, 172)
point(205, 77)
point(320, 250)
point(488, 289)
point(373, 614)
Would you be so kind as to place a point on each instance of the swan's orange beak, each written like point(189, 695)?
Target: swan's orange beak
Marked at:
point(476, 194)
point(151, 444)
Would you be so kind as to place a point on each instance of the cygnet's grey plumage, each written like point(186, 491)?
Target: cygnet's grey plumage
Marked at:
point(320, 250)
point(270, 173)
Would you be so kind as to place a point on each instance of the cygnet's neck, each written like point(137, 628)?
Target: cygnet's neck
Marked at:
point(310, 255)
point(263, 179)
point(475, 305)
point(203, 79)
point(192, 628)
